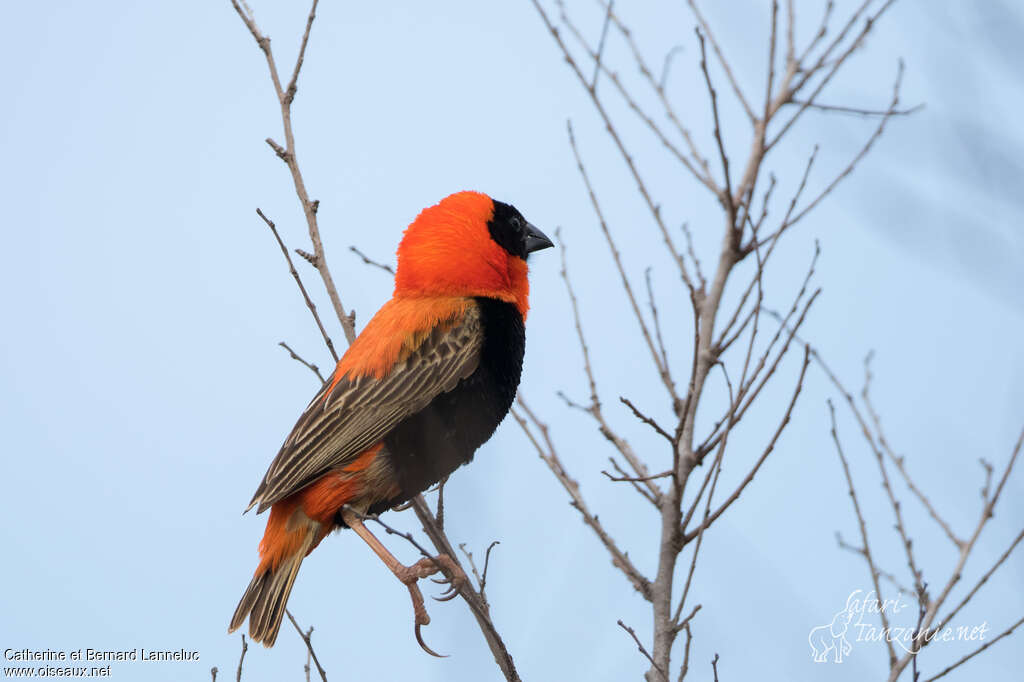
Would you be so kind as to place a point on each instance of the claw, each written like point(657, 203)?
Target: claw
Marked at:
point(449, 594)
point(425, 568)
point(423, 645)
point(420, 617)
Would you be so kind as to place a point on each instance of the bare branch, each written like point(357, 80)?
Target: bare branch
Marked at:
point(858, 111)
point(820, 64)
point(893, 502)
point(657, 322)
point(722, 60)
point(241, 659)
point(987, 488)
point(547, 452)
point(594, 409)
point(476, 602)
point(716, 467)
point(646, 420)
point(862, 153)
point(369, 261)
point(295, 356)
point(899, 462)
point(294, 81)
point(287, 154)
point(610, 127)
point(663, 371)
point(481, 578)
point(703, 177)
point(652, 477)
point(819, 34)
point(764, 455)
point(307, 638)
point(309, 656)
point(669, 56)
point(988, 574)
point(686, 653)
point(635, 481)
point(868, 557)
point(859, 551)
point(726, 196)
point(1005, 633)
point(302, 288)
point(640, 646)
point(965, 551)
point(704, 174)
point(600, 45)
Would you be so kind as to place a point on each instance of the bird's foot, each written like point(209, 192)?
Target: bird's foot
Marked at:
point(410, 576)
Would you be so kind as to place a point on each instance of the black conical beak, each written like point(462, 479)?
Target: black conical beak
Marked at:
point(536, 240)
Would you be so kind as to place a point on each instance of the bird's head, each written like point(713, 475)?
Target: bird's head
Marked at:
point(468, 245)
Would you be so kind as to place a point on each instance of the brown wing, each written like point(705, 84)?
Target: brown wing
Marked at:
point(343, 421)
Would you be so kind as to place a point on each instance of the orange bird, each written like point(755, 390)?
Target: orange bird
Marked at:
point(422, 387)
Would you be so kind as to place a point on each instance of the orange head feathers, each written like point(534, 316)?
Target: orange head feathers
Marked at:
point(468, 245)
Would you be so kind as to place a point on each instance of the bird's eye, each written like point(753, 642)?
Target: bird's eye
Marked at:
point(516, 223)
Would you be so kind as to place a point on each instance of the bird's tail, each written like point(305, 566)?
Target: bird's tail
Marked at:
point(266, 597)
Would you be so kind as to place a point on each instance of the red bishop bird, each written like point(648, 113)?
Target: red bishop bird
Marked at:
point(422, 387)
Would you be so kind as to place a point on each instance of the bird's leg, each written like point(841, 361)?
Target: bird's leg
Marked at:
point(409, 575)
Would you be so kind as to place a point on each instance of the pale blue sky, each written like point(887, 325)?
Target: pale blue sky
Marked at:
point(143, 393)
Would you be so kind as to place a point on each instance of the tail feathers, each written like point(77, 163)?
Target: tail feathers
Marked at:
point(266, 597)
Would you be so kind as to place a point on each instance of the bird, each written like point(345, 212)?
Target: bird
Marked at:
point(419, 390)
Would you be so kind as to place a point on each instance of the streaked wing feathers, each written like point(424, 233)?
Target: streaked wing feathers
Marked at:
point(343, 421)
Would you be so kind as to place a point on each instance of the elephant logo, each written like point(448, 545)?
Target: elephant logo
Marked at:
point(832, 637)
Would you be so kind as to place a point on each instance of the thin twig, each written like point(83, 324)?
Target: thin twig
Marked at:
point(295, 356)
point(476, 602)
point(899, 462)
point(1005, 633)
point(722, 60)
point(307, 638)
point(634, 481)
point(481, 578)
point(309, 656)
point(369, 261)
point(669, 56)
point(663, 371)
point(857, 111)
point(860, 154)
point(859, 551)
point(640, 646)
point(893, 502)
point(654, 315)
point(686, 653)
point(241, 658)
point(286, 153)
point(298, 280)
point(868, 557)
point(594, 409)
point(764, 454)
point(600, 45)
point(548, 454)
point(652, 477)
point(646, 420)
point(610, 127)
point(726, 196)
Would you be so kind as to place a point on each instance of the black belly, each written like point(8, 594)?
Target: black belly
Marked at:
point(432, 443)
